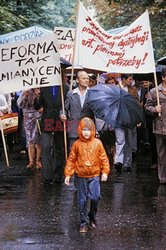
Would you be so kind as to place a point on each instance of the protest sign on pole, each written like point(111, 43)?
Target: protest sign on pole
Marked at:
point(24, 34)
point(66, 38)
point(129, 51)
point(29, 64)
point(75, 42)
point(4, 143)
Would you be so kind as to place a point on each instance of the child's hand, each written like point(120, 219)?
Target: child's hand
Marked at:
point(104, 177)
point(67, 180)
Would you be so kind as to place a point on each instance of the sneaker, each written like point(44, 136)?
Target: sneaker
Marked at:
point(83, 229)
point(118, 166)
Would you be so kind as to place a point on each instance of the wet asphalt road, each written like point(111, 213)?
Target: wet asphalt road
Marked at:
point(131, 214)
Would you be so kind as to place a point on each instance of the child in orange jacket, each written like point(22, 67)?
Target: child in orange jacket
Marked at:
point(87, 160)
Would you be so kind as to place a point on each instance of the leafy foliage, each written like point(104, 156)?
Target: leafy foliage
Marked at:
point(9, 21)
point(18, 14)
point(24, 13)
point(113, 14)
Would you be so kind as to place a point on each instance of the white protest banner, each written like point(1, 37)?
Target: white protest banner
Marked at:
point(66, 38)
point(29, 64)
point(24, 34)
point(129, 51)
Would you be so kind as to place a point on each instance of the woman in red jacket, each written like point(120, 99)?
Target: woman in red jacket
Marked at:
point(87, 160)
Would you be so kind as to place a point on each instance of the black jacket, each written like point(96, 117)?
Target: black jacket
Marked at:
point(51, 108)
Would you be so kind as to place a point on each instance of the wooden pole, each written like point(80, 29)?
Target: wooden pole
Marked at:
point(98, 78)
point(155, 77)
point(157, 93)
point(63, 110)
point(38, 126)
point(4, 144)
point(74, 49)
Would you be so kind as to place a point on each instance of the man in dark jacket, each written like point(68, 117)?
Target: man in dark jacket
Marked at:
point(52, 132)
point(76, 106)
point(159, 124)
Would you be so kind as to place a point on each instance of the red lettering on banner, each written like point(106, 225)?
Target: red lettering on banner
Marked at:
point(93, 26)
point(125, 49)
point(131, 41)
point(91, 32)
point(105, 50)
point(134, 30)
point(88, 43)
point(117, 37)
point(143, 60)
point(65, 46)
point(136, 62)
point(88, 19)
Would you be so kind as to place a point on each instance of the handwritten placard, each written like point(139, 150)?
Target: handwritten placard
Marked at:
point(66, 38)
point(129, 51)
point(24, 34)
point(29, 64)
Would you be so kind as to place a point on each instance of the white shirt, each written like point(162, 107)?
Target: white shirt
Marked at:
point(125, 88)
point(81, 95)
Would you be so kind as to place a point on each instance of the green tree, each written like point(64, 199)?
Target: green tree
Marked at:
point(19, 14)
point(113, 14)
point(9, 21)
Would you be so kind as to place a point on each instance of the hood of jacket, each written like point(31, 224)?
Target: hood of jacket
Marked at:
point(86, 123)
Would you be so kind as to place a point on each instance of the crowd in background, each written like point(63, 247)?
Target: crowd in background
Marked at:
point(45, 149)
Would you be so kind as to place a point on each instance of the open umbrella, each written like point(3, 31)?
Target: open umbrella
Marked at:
point(64, 63)
point(115, 106)
point(162, 61)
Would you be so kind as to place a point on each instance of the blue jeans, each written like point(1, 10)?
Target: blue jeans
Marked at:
point(88, 188)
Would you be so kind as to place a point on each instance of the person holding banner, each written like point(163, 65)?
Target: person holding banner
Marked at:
point(159, 124)
point(26, 102)
point(52, 140)
point(76, 106)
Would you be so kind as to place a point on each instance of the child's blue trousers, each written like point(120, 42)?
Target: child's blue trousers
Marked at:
point(88, 188)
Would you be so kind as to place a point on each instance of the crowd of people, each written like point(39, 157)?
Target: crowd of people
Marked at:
point(41, 123)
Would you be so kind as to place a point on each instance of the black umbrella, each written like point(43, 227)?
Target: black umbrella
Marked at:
point(115, 106)
point(64, 63)
point(162, 61)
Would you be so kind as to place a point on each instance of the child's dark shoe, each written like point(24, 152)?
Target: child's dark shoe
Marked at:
point(92, 225)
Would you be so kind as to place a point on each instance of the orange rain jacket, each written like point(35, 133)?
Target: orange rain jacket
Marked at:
point(87, 157)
